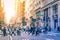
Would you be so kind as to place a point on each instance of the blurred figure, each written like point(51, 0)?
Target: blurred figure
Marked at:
point(10, 31)
point(4, 31)
point(33, 29)
point(18, 31)
point(7, 30)
point(13, 32)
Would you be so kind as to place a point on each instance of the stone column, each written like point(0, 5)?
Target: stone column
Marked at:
point(42, 23)
point(51, 18)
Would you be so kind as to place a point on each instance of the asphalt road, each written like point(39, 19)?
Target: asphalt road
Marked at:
point(41, 36)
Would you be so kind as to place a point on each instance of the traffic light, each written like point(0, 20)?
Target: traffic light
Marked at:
point(26, 19)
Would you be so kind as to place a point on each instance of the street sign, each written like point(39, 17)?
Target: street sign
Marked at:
point(40, 14)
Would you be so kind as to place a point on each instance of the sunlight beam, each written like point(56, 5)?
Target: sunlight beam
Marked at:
point(9, 9)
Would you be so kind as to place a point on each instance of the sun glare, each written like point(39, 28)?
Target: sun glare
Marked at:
point(9, 9)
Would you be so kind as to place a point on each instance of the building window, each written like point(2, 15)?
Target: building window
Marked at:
point(46, 12)
point(45, 19)
point(55, 9)
point(55, 12)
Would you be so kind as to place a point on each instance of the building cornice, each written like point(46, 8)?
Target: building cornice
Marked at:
point(51, 3)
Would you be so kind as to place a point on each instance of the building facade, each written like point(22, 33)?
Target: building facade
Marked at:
point(20, 10)
point(1, 13)
point(47, 12)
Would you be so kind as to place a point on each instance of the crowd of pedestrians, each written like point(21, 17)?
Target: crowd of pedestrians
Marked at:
point(33, 30)
point(9, 31)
